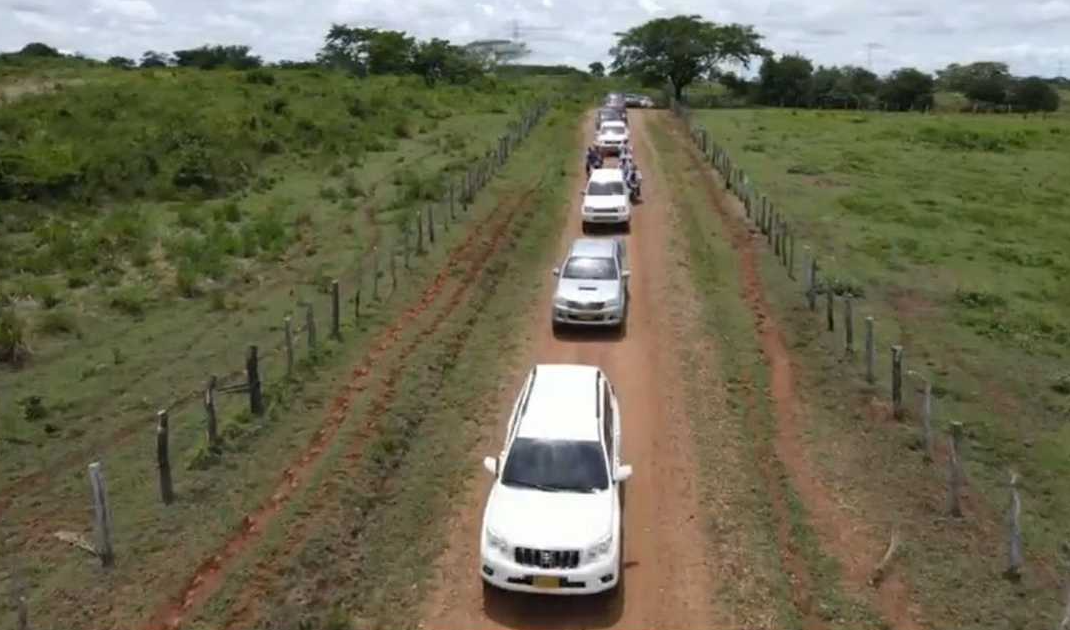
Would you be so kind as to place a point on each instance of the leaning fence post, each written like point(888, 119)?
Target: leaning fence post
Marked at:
point(375, 273)
point(897, 381)
point(927, 420)
point(791, 254)
point(871, 352)
point(419, 232)
point(336, 311)
point(102, 514)
point(163, 458)
point(1014, 543)
point(431, 224)
point(21, 611)
point(209, 408)
point(393, 270)
point(848, 325)
point(452, 214)
point(252, 371)
point(955, 476)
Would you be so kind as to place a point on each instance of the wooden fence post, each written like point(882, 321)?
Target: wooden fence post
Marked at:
point(791, 254)
point(359, 289)
point(209, 408)
point(871, 352)
point(776, 237)
point(1014, 534)
point(927, 420)
point(848, 325)
point(419, 232)
point(897, 381)
point(310, 326)
point(405, 237)
point(453, 216)
point(102, 514)
point(336, 311)
point(431, 224)
point(288, 339)
point(811, 291)
point(393, 270)
point(252, 371)
point(21, 611)
point(955, 476)
point(829, 305)
point(375, 273)
point(163, 458)
point(446, 223)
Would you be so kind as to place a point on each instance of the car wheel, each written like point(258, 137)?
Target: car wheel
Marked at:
point(585, 227)
point(556, 327)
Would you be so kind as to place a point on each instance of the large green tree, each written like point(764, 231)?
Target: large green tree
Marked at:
point(438, 59)
point(908, 88)
point(682, 49)
point(368, 50)
point(597, 69)
point(209, 57)
point(785, 82)
point(1034, 94)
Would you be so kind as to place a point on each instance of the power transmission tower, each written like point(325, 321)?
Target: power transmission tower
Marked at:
point(869, 54)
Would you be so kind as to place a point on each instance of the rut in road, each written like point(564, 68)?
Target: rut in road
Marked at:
point(667, 579)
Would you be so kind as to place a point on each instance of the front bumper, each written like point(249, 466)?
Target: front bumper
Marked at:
point(580, 317)
point(606, 217)
point(589, 578)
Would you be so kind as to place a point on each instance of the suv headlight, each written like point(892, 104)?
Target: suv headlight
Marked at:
point(600, 548)
point(495, 541)
point(560, 302)
point(613, 302)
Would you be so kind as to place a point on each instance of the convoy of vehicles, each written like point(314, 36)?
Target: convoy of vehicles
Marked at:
point(552, 523)
point(553, 518)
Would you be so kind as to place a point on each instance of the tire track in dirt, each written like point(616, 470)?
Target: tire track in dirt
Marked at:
point(844, 538)
point(267, 573)
point(667, 576)
point(209, 576)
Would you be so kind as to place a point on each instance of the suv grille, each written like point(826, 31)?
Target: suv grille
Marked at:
point(587, 306)
point(547, 559)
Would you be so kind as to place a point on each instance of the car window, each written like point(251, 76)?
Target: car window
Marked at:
point(556, 465)
point(605, 188)
point(589, 268)
point(608, 427)
point(613, 128)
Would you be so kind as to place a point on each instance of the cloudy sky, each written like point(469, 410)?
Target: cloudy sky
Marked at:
point(1031, 35)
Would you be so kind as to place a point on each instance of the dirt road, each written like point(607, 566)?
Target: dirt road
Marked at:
point(666, 579)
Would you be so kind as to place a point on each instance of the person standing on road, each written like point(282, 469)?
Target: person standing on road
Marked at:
point(635, 182)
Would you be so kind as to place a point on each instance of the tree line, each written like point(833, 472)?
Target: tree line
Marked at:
point(685, 49)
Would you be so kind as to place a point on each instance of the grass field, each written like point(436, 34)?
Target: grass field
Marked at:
point(93, 274)
point(951, 231)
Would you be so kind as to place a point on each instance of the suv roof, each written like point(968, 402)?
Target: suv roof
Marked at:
point(607, 175)
point(594, 247)
point(562, 404)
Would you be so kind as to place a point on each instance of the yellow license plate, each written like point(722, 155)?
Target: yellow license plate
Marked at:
point(545, 581)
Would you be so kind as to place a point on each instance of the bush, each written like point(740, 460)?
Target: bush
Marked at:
point(190, 216)
point(329, 193)
point(132, 300)
point(58, 323)
point(13, 344)
point(260, 77)
point(186, 279)
point(979, 299)
point(352, 188)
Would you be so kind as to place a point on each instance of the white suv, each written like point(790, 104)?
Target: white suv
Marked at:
point(592, 284)
point(612, 135)
point(606, 199)
point(553, 518)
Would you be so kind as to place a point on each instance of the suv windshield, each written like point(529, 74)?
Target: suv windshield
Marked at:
point(586, 268)
point(605, 188)
point(617, 129)
point(556, 465)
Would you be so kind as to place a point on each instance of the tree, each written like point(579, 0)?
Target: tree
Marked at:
point(681, 49)
point(124, 63)
point(211, 57)
point(366, 51)
point(736, 85)
point(1034, 94)
point(958, 78)
point(154, 59)
point(908, 88)
point(37, 49)
point(440, 60)
point(786, 82)
point(597, 69)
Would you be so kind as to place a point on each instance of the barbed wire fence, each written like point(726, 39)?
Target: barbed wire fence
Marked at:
point(303, 331)
point(908, 393)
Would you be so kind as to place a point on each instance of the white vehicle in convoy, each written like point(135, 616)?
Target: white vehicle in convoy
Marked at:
point(592, 284)
point(612, 135)
point(553, 518)
point(606, 199)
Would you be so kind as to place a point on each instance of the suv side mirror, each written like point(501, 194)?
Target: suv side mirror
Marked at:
point(557, 272)
point(623, 473)
point(491, 464)
point(627, 273)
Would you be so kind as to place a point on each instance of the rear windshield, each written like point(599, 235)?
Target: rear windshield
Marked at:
point(556, 465)
point(605, 188)
point(589, 268)
point(613, 128)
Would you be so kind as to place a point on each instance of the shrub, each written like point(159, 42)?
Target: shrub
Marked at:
point(131, 300)
point(186, 279)
point(33, 408)
point(190, 216)
point(219, 300)
point(329, 193)
point(260, 76)
point(402, 129)
point(352, 188)
point(58, 323)
point(229, 212)
point(336, 170)
point(979, 299)
point(14, 349)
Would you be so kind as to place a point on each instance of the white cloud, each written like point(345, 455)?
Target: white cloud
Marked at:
point(1028, 34)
